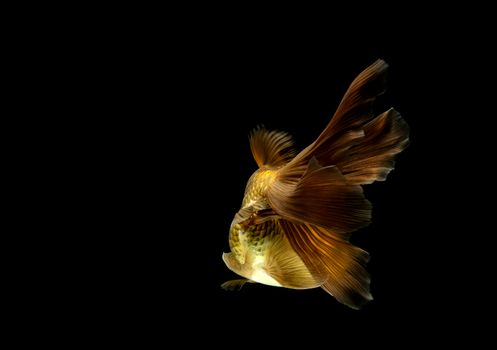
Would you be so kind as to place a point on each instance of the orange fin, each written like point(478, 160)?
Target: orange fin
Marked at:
point(271, 148)
point(322, 197)
point(372, 158)
point(286, 267)
point(335, 261)
point(345, 127)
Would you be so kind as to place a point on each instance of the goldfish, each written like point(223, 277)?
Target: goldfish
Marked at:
point(300, 208)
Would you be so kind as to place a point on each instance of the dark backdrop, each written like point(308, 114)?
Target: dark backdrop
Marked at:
point(173, 117)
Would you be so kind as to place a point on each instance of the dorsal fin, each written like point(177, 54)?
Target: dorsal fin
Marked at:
point(271, 148)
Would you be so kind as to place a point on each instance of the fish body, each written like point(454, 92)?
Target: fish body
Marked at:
point(252, 240)
point(299, 209)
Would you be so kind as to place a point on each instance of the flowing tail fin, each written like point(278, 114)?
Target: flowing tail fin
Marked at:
point(318, 194)
point(361, 146)
point(321, 197)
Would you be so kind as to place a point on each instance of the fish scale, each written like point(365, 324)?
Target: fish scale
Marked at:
point(245, 239)
point(299, 209)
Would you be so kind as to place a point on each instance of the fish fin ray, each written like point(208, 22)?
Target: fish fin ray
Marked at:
point(345, 127)
point(234, 285)
point(285, 266)
point(271, 148)
point(322, 197)
point(372, 157)
point(335, 261)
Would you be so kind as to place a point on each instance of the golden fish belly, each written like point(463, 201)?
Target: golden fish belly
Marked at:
point(248, 245)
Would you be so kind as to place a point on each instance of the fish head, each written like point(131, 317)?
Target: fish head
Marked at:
point(234, 265)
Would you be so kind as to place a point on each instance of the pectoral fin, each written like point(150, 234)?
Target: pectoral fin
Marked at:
point(336, 261)
point(286, 267)
point(235, 285)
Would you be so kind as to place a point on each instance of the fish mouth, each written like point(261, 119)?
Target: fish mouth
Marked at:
point(231, 262)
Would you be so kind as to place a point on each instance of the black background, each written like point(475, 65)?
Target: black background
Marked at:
point(169, 118)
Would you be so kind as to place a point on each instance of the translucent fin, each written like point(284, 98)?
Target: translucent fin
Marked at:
point(322, 197)
point(285, 266)
point(271, 148)
point(234, 285)
point(333, 260)
point(354, 111)
point(372, 157)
